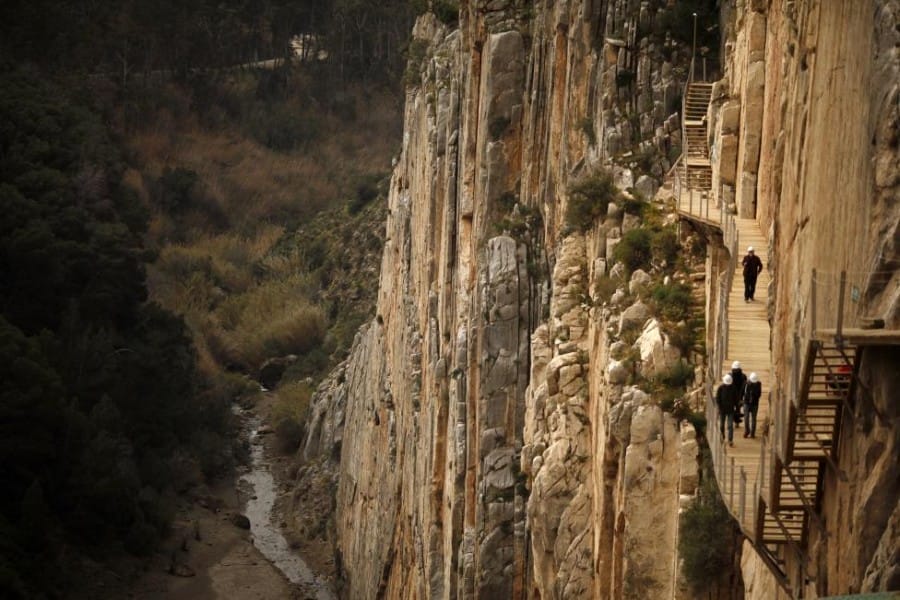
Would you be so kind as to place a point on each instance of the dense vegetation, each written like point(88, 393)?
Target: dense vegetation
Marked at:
point(170, 222)
point(101, 419)
point(131, 39)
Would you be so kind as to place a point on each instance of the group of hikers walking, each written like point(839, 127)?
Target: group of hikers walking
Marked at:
point(736, 393)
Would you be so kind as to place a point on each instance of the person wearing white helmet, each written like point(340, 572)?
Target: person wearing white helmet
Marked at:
point(751, 394)
point(726, 400)
point(737, 375)
point(752, 268)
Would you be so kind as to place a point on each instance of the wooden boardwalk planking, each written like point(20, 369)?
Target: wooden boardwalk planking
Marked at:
point(748, 342)
point(748, 339)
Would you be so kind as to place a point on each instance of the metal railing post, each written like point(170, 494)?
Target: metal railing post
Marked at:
point(694, 46)
point(838, 338)
point(812, 301)
point(731, 483)
point(742, 499)
point(754, 509)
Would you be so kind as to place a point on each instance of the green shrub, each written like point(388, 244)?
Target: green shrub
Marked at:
point(289, 413)
point(684, 335)
point(415, 58)
point(604, 288)
point(589, 199)
point(678, 376)
point(282, 127)
point(175, 189)
point(673, 301)
point(665, 246)
point(633, 250)
point(367, 189)
point(447, 12)
point(635, 206)
point(698, 420)
point(704, 543)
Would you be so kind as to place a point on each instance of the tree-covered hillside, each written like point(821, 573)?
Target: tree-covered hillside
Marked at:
point(101, 420)
point(172, 219)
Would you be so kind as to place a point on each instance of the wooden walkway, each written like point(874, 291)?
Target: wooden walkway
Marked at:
point(738, 467)
point(748, 342)
point(772, 484)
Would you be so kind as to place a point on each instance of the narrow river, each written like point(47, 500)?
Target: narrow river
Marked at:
point(266, 534)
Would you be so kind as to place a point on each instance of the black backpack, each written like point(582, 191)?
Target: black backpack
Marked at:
point(748, 393)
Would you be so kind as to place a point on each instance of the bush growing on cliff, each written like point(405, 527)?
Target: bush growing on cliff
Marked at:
point(633, 250)
point(447, 12)
point(589, 199)
point(673, 302)
point(289, 414)
point(704, 543)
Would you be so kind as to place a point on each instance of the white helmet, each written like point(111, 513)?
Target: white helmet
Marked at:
point(736, 364)
point(749, 248)
point(753, 378)
point(727, 380)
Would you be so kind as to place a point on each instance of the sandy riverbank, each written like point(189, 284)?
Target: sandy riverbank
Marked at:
point(213, 557)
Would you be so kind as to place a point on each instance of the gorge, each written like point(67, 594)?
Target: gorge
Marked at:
point(498, 429)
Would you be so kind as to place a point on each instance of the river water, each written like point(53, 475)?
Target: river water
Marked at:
point(266, 534)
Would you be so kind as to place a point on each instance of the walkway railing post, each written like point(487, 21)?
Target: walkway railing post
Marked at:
point(743, 495)
point(731, 483)
point(754, 514)
point(812, 301)
point(762, 464)
point(839, 339)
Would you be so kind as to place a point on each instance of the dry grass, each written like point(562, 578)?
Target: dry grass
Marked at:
point(217, 265)
point(289, 414)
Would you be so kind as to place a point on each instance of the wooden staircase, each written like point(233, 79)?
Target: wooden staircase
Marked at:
point(697, 173)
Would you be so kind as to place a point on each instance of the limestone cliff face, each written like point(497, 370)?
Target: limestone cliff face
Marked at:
point(485, 442)
point(488, 445)
point(805, 130)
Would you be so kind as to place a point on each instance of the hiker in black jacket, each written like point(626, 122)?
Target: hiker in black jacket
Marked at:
point(752, 268)
point(737, 375)
point(726, 401)
point(751, 394)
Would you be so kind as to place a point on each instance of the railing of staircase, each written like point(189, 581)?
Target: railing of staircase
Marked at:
point(835, 298)
point(675, 172)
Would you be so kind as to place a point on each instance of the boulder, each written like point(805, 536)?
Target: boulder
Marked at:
point(616, 372)
point(657, 354)
point(271, 371)
point(618, 297)
point(241, 521)
point(639, 281)
point(618, 350)
point(634, 316)
point(646, 187)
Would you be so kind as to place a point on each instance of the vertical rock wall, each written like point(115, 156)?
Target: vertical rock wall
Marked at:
point(488, 445)
point(813, 89)
point(486, 450)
